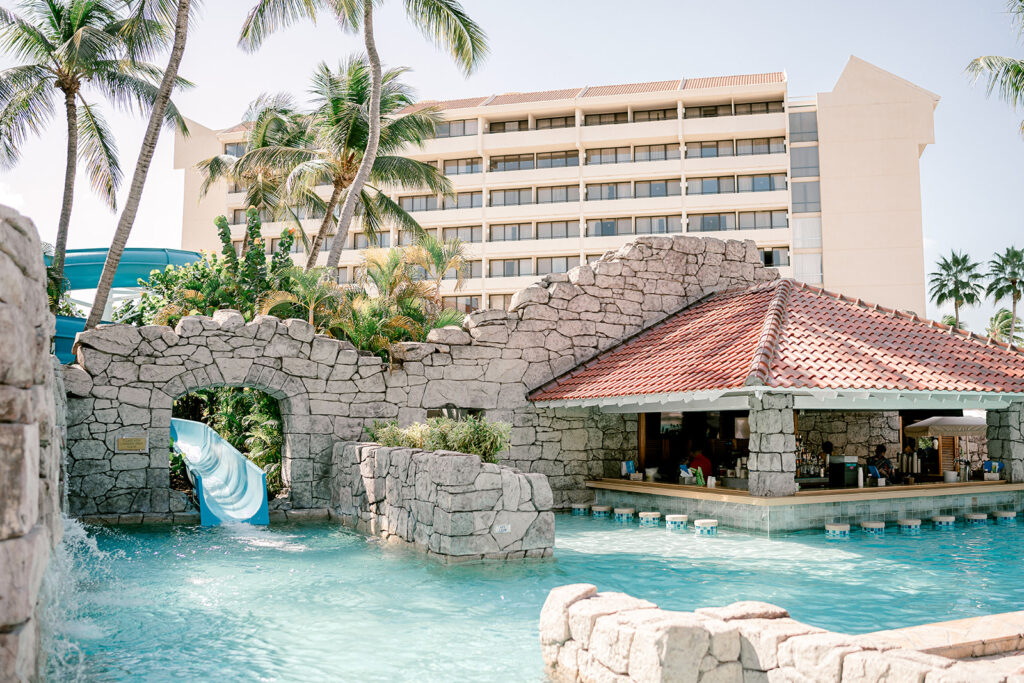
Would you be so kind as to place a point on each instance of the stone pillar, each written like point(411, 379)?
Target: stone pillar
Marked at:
point(1006, 439)
point(772, 462)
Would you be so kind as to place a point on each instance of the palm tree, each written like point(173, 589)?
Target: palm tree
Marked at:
point(311, 294)
point(1006, 271)
point(443, 21)
point(146, 9)
point(75, 48)
point(330, 148)
point(957, 280)
point(1004, 75)
point(438, 258)
point(1004, 327)
point(949, 321)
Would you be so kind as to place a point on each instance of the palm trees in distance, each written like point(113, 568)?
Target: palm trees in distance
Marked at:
point(1003, 75)
point(74, 50)
point(1005, 328)
point(289, 154)
point(957, 280)
point(1006, 273)
point(444, 22)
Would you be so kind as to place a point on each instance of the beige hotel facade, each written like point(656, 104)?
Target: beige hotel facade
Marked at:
point(827, 186)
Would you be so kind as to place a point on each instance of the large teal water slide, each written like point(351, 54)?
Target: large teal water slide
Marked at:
point(229, 486)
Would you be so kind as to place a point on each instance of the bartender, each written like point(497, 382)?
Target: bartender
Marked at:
point(699, 460)
point(826, 452)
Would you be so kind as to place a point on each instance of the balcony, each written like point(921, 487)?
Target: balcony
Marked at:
point(527, 212)
point(669, 168)
point(640, 133)
point(564, 175)
point(745, 164)
point(749, 125)
point(465, 145)
point(546, 140)
point(633, 206)
point(733, 201)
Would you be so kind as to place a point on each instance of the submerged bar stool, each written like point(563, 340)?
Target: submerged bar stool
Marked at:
point(976, 518)
point(1005, 516)
point(706, 527)
point(601, 510)
point(909, 526)
point(676, 522)
point(943, 521)
point(837, 530)
point(873, 528)
point(624, 515)
point(580, 508)
point(650, 519)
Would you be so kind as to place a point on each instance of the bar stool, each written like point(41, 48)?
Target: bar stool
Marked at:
point(650, 519)
point(601, 510)
point(837, 530)
point(909, 526)
point(580, 508)
point(706, 527)
point(676, 522)
point(1005, 516)
point(624, 515)
point(943, 521)
point(873, 528)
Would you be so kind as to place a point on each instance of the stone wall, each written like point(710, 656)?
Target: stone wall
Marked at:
point(451, 505)
point(851, 432)
point(31, 442)
point(590, 636)
point(772, 461)
point(126, 378)
point(1006, 439)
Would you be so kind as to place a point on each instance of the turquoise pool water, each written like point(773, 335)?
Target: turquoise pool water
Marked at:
point(318, 602)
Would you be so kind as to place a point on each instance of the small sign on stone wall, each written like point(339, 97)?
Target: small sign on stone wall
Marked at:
point(132, 444)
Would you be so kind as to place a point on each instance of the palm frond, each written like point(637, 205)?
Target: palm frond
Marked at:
point(446, 23)
point(98, 151)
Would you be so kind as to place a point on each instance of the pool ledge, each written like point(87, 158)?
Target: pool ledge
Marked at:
point(984, 636)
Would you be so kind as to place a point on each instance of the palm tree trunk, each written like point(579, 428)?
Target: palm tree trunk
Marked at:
point(956, 313)
point(325, 225)
point(131, 206)
point(61, 245)
point(348, 209)
point(1013, 318)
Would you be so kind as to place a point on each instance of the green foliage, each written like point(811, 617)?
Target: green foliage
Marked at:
point(473, 435)
point(57, 290)
point(1005, 327)
point(1003, 76)
point(957, 280)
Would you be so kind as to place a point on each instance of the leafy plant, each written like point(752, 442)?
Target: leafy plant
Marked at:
point(474, 435)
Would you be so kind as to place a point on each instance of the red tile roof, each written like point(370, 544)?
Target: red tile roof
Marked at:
point(730, 81)
point(543, 96)
point(787, 334)
point(631, 88)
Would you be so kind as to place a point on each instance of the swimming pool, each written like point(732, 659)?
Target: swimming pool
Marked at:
point(316, 602)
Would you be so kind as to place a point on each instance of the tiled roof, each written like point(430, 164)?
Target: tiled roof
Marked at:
point(786, 334)
point(727, 81)
point(244, 125)
point(440, 105)
point(542, 96)
point(631, 88)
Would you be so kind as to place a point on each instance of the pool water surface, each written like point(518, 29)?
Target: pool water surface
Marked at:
point(319, 602)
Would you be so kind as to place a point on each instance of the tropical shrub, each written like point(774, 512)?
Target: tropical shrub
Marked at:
point(474, 435)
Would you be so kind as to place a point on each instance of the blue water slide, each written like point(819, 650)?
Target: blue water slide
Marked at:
point(229, 486)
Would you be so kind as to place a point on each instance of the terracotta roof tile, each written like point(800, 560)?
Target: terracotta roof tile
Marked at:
point(441, 105)
point(245, 125)
point(787, 334)
point(726, 81)
point(541, 96)
point(631, 88)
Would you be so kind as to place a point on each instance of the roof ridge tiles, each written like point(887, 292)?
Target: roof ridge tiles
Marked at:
point(767, 342)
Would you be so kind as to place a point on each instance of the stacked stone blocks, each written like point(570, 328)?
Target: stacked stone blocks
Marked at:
point(772, 458)
point(1006, 439)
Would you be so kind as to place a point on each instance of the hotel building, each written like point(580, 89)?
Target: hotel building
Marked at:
point(827, 186)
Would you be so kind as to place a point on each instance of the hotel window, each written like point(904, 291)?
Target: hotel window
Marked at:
point(470, 269)
point(558, 194)
point(509, 232)
point(778, 256)
point(362, 241)
point(605, 119)
point(235, 149)
point(456, 129)
point(511, 197)
point(707, 111)
point(557, 122)
point(327, 243)
point(719, 185)
point(465, 200)
point(512, 267)
point(465, 304)
point(804, 161)
point(507, 126)
point(556, 264)
point(656, 152)
point(709, 150)
point(553, 230)
point(603, 191)
point(763, 220)
point(603, 227)
point(296, 246)
point(342, 275)
point(803, 126)
point(656, 115)
point(806, 197)
point(647, 225)
point(558, 159)
point(500, 302)
point(671, 187)
point(465, 234)
point(608, 155)
point(765, 182)
point(423, 202)
point(511, 162)
point(462, 166)
point(758, 108)
point(760, 146)
point(711, 222)
point(408, 237)
point(238, 217)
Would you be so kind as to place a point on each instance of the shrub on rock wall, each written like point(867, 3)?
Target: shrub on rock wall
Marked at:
point(473, 435)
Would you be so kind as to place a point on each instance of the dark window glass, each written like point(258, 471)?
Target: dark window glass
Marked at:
point(646, 225)
point(462, 166)
point(551, 230)
point(658, 188)
point(804, 161)
point(758, 108)
point(600, 191)
point(511, 162)
point(425, 202)
point(465, 234)
point(556, 264)
point(455, 129)
point(656, 115)
point(557, 122)
point(806, 197)
point(509, 232)
point(465, 304)
point(464, 200)
point(656, 152)
point(710, 111)
point(561, 193)
point(803, 126)
point(711, 222)
point(507, 126)
point(608, 155)
point(761, 183)
point(605, 119)
point(602, 227)
point(470, 269)
point(558, 159)
point(235, 149)
point(779, 256)
point(513, 267)
point(511, 197)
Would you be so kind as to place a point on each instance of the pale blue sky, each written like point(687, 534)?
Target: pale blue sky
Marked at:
point(971, 178)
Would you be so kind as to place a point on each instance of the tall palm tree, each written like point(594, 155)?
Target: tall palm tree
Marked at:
point(1004, 75)
point(1006, 271)
point(1004, 327)
point(77, 48)
point(146, 10)
point(957, 280)
point(443, 21)
point(330, 148)
point(437, 258)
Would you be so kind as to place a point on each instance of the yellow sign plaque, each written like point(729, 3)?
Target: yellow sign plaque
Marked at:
point(132, 443)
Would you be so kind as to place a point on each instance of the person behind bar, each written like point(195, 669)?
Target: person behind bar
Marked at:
point(700, 461)
point(881, 463)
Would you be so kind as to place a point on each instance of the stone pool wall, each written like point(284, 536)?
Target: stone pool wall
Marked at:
point(122, 388)
point(852, 432)
point(590, 636)
point(451, 505)
point(31, 444)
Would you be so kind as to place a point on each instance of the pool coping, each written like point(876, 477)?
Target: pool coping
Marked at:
point(969, 638)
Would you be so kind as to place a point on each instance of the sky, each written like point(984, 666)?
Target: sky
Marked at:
point(971, 178)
